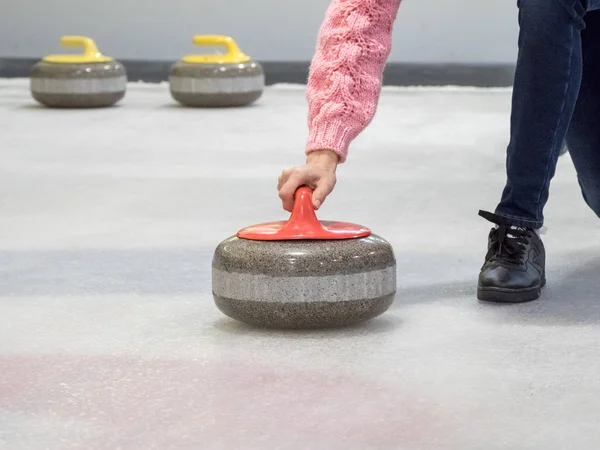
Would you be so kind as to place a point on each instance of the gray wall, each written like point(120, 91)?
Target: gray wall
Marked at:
point(427, 31)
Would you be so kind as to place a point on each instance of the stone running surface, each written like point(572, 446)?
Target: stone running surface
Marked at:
point(109, 336)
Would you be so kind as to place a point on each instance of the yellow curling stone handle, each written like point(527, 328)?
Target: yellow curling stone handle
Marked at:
point(234, 54)
point(91, 54)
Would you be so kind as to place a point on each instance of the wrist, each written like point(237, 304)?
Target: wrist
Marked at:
point(324, 158)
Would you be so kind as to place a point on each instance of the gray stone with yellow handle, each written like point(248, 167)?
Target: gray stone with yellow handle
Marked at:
point(87, 80)
point(217, 80)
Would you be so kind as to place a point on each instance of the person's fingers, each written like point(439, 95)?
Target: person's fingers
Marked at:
point(285, 174)
point(324, 187)
point(287, 191)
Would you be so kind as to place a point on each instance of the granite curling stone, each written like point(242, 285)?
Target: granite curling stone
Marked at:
point(88, 80)
point(303, 273)
point(220, 80)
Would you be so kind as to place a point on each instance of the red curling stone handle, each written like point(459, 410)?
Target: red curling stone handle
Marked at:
point(303, 224)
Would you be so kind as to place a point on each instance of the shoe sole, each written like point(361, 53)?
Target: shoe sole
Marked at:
point(499, 295)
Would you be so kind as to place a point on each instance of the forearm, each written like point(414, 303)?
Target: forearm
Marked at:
point(346, 72)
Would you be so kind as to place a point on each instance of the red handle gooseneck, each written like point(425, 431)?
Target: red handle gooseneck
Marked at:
point(303, 224)
point(303, 220)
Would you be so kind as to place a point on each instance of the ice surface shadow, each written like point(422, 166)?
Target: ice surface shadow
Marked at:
point(385, 323)
point(571, 297)
point(34, 106)
point(436, 293)
point(148, 271)
point(37, 106)
point(208, 108)
point(83, 272)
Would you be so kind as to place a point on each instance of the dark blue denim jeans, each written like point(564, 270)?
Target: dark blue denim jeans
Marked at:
point(556, 99)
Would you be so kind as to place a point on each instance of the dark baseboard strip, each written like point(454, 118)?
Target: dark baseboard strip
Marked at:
point(396, 74)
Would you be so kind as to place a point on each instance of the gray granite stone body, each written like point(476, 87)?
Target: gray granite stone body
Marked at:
point(304, 257)
point(216, 85)
point(85, 85)
point(304, 283)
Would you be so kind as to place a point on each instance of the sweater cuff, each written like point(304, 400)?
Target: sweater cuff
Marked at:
point(332, 136)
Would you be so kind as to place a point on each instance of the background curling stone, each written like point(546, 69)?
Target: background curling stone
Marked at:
point(219, 80)
point(303, 273)
point(87, 80)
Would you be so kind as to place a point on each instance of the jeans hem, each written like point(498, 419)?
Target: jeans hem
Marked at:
point(507, 219)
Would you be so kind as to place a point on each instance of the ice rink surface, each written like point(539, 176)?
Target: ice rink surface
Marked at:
point(109, 337)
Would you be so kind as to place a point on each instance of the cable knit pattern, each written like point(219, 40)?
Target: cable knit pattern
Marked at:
point(346, 72)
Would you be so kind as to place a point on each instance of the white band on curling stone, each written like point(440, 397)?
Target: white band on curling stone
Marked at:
point(78, 86)
point(230, 85)
point(331, 288)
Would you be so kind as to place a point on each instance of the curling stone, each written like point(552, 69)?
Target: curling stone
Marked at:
point(85, 80)
point(304, 273)
point(219, 80)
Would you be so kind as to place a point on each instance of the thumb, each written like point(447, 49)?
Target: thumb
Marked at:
point(322, 190)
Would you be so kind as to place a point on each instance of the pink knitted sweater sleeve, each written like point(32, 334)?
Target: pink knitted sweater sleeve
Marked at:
point(346, 72)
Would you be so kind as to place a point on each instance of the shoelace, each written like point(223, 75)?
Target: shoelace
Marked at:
point(510, 244)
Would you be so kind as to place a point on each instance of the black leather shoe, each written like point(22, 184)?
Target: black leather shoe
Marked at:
point(515, 265)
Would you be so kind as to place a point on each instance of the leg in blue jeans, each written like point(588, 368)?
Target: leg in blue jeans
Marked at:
point(547, 84)
point(556, 97)
point(583, 137)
